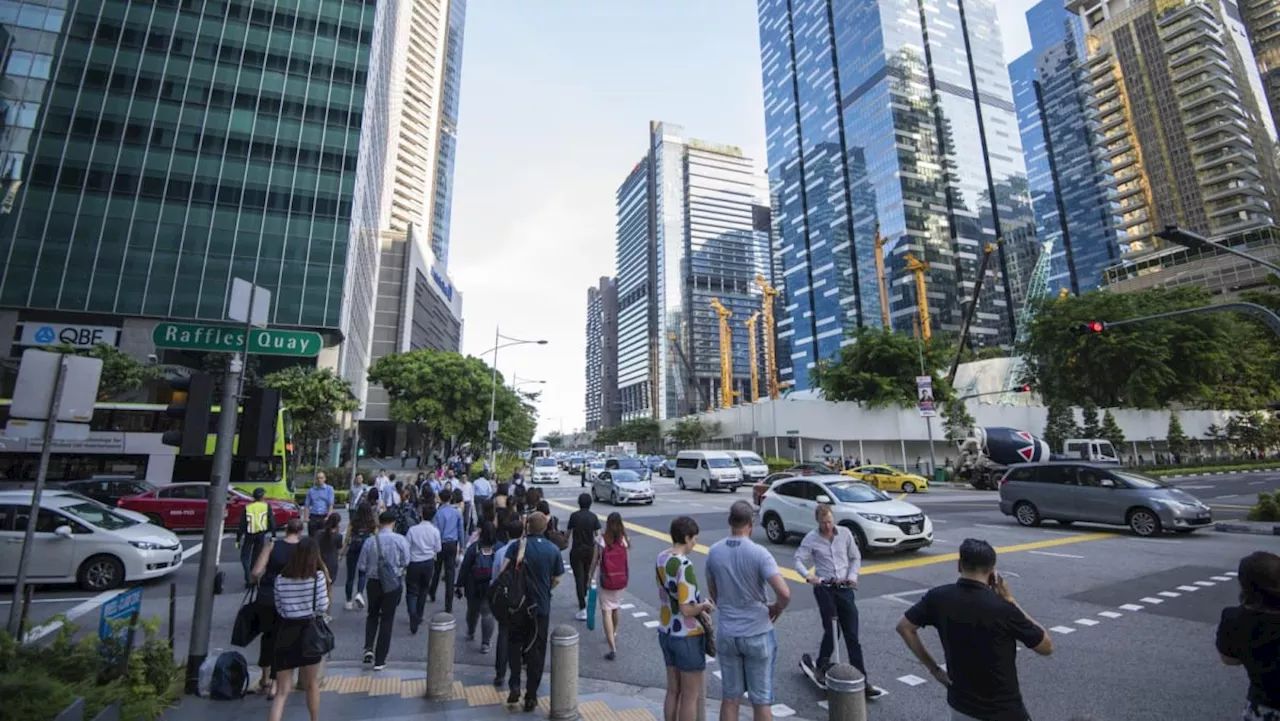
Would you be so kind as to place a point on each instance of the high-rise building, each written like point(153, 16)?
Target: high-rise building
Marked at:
point(897, 116)
point(1179, 113)
point(154, 151)
point(1070, 192)
point(602, 401)
point(1262, 19)
point(688, 231)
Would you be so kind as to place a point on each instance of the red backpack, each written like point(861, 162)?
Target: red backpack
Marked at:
point(613, 567)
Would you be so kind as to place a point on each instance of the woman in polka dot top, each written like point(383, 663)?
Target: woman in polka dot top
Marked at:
point(680, 634)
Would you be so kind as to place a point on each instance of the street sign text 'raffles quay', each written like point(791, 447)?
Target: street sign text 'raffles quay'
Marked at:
point(192, 336)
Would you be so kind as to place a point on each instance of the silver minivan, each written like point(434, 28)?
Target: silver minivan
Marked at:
point(1098, 493)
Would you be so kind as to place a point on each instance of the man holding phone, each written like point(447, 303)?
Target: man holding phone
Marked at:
point(980, 625)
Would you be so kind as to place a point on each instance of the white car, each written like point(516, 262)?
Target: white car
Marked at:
point(621, 486)
point(877, 521)
point(546, 470)
point(83, 542)
point(593, 469)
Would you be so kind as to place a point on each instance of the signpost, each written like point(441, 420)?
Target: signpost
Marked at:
point(120, 608)
point(227, 339)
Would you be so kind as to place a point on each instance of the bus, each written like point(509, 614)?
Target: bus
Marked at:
point(539, 449)
point(124, 440)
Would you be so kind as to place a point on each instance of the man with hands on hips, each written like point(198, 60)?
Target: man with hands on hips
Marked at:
point(832, 552)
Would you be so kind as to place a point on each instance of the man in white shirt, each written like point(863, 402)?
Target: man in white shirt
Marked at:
point(468, 502)
point(424, 546)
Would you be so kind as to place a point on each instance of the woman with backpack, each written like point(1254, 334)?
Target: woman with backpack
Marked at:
point(301, 595)
point(474, 576)
point(615, 573)
point(271, 561)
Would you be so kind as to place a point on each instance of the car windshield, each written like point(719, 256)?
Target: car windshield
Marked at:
point(720, 462)
point(1135, 480)
point(750, 459)
point(96, 514)
point(849, 492)
point(544, 463)
point(625, 476)
point(629, 463)
point(597, 464)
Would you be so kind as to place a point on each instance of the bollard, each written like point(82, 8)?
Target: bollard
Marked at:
point(173, 611)
point(846, 694)
point(440, 656)
point(564, 673)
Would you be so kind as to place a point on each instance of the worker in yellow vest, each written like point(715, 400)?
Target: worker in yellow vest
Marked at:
point(255, 525)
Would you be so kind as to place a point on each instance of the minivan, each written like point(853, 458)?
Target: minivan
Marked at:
point(1098, 493)
point(753, 467)
point(707, 471)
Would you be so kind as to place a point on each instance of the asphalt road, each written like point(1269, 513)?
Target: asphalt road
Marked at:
point(1133, 619)
point(1230, 494)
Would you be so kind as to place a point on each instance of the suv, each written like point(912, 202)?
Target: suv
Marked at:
point(1098, 493)
point(878, 522)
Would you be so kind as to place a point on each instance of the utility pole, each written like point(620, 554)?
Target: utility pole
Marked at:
point(928, 420)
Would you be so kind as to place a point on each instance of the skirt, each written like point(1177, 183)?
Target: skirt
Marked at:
point(609, 600)
point(288, 645)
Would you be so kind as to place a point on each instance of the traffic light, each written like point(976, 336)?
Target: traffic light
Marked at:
point(258, 425)
point(192, 404)
point(1024, 388)
point(1093, 326)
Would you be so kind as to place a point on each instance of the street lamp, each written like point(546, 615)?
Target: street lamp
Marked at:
point(1195, 241)
point(516, 382)
point(493, 388)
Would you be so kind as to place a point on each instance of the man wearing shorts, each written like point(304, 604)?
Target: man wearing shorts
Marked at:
point(738, 573)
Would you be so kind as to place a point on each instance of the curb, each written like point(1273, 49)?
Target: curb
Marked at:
point(1222, 473)
point(1256, 528)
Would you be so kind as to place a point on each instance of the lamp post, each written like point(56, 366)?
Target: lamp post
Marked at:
point(493, 387)
point(1195, 241)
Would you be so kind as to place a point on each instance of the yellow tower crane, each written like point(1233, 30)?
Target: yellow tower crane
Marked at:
point(726, 353)
point(918, 267)
point(880, 279)
point(770, 336)
point(750, 323)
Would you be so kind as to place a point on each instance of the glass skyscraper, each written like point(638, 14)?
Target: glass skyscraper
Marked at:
point(896, 115)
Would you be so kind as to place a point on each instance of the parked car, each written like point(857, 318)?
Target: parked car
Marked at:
point(668, 468)
point(889, 479)
point(707, 471)
point(108, 489)
point(621, 486)
point(812, 468)
point(133, 515)
point(753, 467)
point(83, 542)
point(876, 521)
point(182, 506)
point(545, 470)
point(591, 471)
point(628, 463)
point(758, 490)
point(1098, 493)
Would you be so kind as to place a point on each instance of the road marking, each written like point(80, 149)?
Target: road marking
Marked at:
point(1131, 607)
point(652, 624)
point(1086, 622)
point(1220, 578)
point(1063, 629)
point(1151, 600)
point(1170, 594)
point(1256, 483)
point(1055, 555)
point(1196, 487)
point(781, 710)
point(1110, 614)
point(640, 614)
point(1205, 584)
point(911, 680)
point(1229, 573)
point(627, 606)
point(899, 596)
point(50, 600)
point(1188, 588)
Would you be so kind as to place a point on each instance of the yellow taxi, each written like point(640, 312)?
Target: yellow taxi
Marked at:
point(889, 479)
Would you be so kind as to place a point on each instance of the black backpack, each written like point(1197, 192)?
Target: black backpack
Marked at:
point(230, 677)
point(509, 598)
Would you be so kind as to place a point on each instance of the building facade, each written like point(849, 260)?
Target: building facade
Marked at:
point(602, 401)
point(897, 117)
point(1070, 194)
point(1179, 114)
point(1262, 19)
point(688, 231)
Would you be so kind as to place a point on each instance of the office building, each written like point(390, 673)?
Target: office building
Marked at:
point(602, 400)
point(688, 230)
point(1179, 114)
point(1262, 19)
point(1070, 193)
point(1223, 275)
point(896, 116)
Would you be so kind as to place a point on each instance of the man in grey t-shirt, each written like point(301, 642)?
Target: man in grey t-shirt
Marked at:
point(738, 571)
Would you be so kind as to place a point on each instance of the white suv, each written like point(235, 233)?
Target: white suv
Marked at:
point(877, 521)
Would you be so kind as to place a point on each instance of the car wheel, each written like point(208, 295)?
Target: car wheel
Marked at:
point(613, 498)
point(773, 529)
point(859, 537)
point(1144, 522)
point(733, 489)
point(909, 487)
point(1027, 514)
point(100, 573)
point(704, 487)
point(649, 502)
point(157, 519)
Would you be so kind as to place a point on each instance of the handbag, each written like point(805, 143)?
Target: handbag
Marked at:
point(709, 633)
point(246, 627)
point(317, 638)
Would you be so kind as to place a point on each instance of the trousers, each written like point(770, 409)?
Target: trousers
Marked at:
point(836, 605)
point(381, 619)
point(527, 648)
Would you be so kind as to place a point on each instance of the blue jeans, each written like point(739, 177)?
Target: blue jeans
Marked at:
point(684, 653)
point(746, 666)
point(353, 558)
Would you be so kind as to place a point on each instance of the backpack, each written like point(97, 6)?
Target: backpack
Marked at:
point(509, 598)
point(613, 567)
point(482, 572)
point(406, 517)
point(230, 677)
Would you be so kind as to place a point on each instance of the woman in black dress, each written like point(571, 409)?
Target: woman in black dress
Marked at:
point(301, 594)
point(273, 558)
point(1249, 634)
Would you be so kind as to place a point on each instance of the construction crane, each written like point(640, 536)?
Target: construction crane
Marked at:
point(770, 336)
point(981, 278)
point(1037, 288)
point(726, 353)
point(880, 279)
point(918, 267)
point(750, 323)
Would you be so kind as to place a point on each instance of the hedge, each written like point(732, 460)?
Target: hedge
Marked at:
point(1267, 508)
point(1188, 470)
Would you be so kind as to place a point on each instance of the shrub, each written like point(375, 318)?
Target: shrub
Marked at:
point(1267, 508)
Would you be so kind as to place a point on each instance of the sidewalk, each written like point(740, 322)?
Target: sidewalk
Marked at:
point(351, 692)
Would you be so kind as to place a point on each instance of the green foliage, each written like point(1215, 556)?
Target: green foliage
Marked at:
point(957, 422)
point(507, 464)
point(644, 432)
point(555, 439)
point(1059, 426)
point(1091, 425)
point(120, 372)
point(879, 370)
point(1267, 508)
point(1256, 431)
point(1176, 438)
point(691, 432)
point(777, 465)
point(1216, 360)
point(1110, 430)
point(1209, 467)
point(314, 398)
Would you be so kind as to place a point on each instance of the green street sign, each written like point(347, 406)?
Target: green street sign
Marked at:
point(195, 336)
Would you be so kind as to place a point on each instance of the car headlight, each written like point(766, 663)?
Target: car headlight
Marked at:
point(1179, 505)
point(148, 545)
point(876, 518)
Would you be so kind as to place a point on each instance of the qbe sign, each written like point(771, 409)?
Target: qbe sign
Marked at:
point(78, 336)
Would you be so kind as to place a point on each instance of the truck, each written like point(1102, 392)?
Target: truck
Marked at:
point(989, 451)
point(623, 448)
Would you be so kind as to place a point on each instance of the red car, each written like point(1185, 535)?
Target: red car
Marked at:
point(182, 506)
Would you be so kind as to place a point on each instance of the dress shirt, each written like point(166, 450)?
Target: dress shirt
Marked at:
point(395, 551)
point(468, 492)
point(838, 558)
point(482, 488)
point(424, 542)
point(449, 521)
point(320, 500)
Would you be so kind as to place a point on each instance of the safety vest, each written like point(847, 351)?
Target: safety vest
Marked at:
point(257, 515)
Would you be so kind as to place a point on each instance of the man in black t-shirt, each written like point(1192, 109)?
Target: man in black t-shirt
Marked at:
point(980, 625)
point(584, 528)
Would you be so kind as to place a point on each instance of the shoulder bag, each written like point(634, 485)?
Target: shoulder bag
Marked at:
point(246, 626)
point(317, 638)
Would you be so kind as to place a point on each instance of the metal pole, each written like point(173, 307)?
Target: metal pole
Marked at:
point(215, 514)
point(26, 605)
point(355, 450)
point(173, 612)
point(28, 538)
point(493, 405)
point(928, 420)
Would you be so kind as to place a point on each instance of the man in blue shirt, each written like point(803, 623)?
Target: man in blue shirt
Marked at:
point(449, 522)
point(543, 568)
point(318, 506)
point(385, 551)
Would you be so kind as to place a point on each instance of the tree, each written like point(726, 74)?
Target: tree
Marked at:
point(1252, 431)
point(1090, 427)
point(692, 432)
point(1216, 434)
point(1176, 438)
point(314, 398)
point(120, 372)
point(555, 439)
point(1059, 426)
point(958, 423)
point(879, 370)
point(644, 432)
point(1110, 431)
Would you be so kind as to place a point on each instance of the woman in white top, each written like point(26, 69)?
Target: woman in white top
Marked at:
point(301, 594)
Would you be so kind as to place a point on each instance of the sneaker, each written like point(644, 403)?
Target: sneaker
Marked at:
point(368, 656)
point(348, 606)
point(379, 667)
point(582, 615)
point(875, 692)
point(610, 656)
point(530, 703)
point(484, 648)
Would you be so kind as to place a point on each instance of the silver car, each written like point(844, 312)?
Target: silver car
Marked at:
point(1098, 493)
point(621, 486)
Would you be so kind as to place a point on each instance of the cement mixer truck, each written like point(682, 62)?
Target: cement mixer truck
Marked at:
point(988, 452)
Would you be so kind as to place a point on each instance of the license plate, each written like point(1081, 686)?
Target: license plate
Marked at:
point(912, 530)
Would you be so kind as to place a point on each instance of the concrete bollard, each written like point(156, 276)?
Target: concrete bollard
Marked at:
point(846, 694)
point(564, 673)
point(440, 656)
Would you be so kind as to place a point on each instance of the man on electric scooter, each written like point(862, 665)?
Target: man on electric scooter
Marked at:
point(832, 553)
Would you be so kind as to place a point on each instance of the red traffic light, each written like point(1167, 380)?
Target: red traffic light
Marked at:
point(1025, 389)
point(1095, 326)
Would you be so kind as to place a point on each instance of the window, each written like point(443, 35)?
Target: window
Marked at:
point(1058, 475)
point(186, 492)
point(686, 463)
point(7, 516)
point(791, 490)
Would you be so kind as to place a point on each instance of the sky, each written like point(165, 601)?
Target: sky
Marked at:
point(556, 100)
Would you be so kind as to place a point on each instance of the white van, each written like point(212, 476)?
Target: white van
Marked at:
point(707, 471)
point(753, 467)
